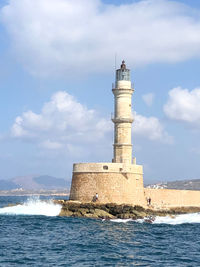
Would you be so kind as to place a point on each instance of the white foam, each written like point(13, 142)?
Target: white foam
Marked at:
point(33, 206)
point(179, 219)
point(121, 220)
point(173, 220)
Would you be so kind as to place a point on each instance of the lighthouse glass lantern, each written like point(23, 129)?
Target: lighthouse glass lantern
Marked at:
point(123, 74)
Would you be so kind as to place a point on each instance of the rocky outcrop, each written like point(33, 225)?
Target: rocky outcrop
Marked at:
point(88, 210)
point(112, 210)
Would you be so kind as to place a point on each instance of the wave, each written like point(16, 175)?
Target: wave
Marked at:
point(179, 219)
point(121, 220)
point(33, 206)
point(173, 220)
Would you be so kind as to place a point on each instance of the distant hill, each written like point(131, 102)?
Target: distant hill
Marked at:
point(182, 185)
point(35, 182)
point(50, 181)
point(46, 182)
point(7, 185)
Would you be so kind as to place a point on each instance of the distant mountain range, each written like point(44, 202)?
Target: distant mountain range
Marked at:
point(46, 182)
point(182, 185)
point(35, 182)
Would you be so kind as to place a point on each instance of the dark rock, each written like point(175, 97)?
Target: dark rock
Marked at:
point(112, 210)
point(65, 212)
point(139, 208)
point(103, 214)
point(91, 211)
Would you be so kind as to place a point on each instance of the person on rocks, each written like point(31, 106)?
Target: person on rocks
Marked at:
point(148, 201)
point(95, 198)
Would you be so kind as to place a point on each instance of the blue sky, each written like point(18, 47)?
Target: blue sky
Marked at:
point(56, 74)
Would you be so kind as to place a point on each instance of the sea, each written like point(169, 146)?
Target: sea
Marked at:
point(32, 234)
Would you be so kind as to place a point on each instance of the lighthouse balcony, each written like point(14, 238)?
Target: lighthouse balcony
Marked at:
point(115, 85)
point(129, 119)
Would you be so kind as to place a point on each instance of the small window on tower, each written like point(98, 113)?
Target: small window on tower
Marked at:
point(105, 167)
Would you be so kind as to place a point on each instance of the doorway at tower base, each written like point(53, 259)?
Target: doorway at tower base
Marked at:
point(113, 182)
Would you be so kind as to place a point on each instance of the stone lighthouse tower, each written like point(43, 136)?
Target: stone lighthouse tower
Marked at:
point(123, 116)
point(122, 180)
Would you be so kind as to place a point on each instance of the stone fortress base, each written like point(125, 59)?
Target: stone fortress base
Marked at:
point(114, 182)
point(123, 184)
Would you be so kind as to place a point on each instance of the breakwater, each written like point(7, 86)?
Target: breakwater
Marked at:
point(113, 211)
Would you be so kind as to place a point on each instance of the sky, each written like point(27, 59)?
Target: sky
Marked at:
point(57, 66)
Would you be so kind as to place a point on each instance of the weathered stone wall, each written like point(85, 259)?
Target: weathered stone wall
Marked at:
point(164, 198)
point(123, 121)
point(112, 187)
point(123, 133)
point(123, 183)
point(107, 167)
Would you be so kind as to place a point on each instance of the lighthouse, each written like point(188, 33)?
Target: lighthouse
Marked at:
point(123, 117)
point(119, 181)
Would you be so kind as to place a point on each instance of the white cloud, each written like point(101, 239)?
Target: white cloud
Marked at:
point(151, 128)
point(183, 105)
point(148, 99)
point(64, 36)
point(62, 122)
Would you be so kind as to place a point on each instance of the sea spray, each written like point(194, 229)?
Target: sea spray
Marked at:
point(121, 220)
point(173, 220)
point(179, 219)
point(33, 206)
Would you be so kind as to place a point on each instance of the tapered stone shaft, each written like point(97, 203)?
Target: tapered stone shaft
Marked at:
point(123, 117)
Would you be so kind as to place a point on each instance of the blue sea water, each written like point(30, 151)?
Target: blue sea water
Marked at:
point(33, 235)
